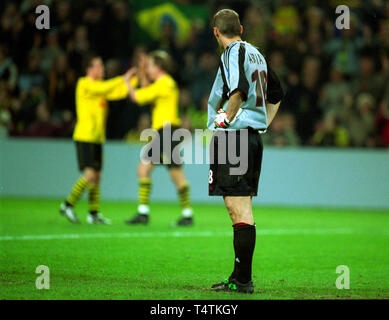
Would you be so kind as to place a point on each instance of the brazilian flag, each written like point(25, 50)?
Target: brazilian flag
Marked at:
point(152, 15)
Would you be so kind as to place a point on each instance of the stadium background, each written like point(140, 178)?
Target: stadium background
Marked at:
point(326, 164)
point(336, 84)
point(336, 80)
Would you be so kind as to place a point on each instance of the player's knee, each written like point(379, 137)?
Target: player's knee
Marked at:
point(97, 178)
point(141, 172)
point(92, 176)
point(238, 212)
point(245, 216)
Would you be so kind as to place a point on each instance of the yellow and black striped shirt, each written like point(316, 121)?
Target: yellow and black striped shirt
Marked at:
point(163, 95)
point(91, 106)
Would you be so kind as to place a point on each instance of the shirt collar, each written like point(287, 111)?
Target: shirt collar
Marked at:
point(233, 43)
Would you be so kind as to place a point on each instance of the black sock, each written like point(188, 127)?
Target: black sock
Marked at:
point(93, 212)
point(244, 244)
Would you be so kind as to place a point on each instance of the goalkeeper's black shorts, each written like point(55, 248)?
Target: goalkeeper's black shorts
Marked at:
point(222, 180)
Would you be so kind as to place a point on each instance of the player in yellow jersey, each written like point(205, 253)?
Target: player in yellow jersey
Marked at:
point(163, 94)
point(92, 94)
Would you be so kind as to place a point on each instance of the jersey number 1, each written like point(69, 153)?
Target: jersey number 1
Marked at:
point(260, 88)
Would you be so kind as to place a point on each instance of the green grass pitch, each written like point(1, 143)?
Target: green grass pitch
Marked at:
point(296, 255)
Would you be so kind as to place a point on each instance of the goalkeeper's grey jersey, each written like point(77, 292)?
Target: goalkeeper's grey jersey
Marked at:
point(242, 67)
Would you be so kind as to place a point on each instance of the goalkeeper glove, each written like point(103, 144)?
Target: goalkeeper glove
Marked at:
point(221, 120)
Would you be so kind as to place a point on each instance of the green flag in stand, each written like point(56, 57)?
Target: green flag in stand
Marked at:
point(180, 16)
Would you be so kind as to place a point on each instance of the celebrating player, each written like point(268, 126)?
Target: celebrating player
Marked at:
point(246, 95)
point(163, 95)
point(92, 94)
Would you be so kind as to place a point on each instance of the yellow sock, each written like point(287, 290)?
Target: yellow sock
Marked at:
point(94, 198)
point(144, 191)
point(77, 191)
point(184, 196)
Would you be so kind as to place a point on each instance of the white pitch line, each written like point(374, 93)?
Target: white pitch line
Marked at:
point(175, 234)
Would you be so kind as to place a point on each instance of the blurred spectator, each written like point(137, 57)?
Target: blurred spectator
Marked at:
point(8, 70)
point(144, 122)
point(303, 100)
point(277, 62)
point(186, 101)
point(61, 86)
point(361, 122)
point(330, 133)
point(11, 30)
point(383, 122)
point(43, 126)
point(24, 110)
point(368, 80)
point(97, 29)
point(285, 18)
point(197, 118)
point(203, 76)
point(290, 133)
point(282, 131)
point(62, 19)
point(32, 75)
point(121, 41)
point(78, 47)
point(5, 106)
point(256, 27)
point(344, 48)
point(382, 117)
point(383, 35)
point(50, 52)
point(333, 93)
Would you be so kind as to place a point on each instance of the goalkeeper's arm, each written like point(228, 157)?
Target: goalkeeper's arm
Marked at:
point(271, 110)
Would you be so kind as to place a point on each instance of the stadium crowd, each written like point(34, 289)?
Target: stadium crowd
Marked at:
point(336, 81)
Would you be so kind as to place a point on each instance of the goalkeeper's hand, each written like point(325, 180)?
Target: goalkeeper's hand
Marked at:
point(221, 120)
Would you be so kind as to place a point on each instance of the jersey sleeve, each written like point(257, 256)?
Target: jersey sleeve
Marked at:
point(104, 87)
point(234, 72)
point(118, 92)
point(148, 94)
point(134, 81)
point(274, 89)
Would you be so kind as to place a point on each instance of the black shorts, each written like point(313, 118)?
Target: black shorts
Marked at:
point(221, 181)
point(165, 156)
point(89, 155)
